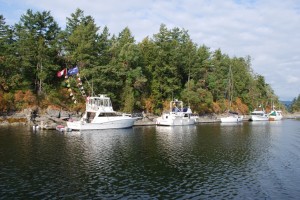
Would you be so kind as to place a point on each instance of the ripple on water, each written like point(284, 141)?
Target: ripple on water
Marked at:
point(209, 161)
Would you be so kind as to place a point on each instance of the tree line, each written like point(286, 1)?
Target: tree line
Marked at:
point(138, 76)
point(295, 105)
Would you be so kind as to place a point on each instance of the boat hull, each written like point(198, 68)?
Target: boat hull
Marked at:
point(259, 115)
point(259, 118)
point(275, 118)
point(231, 119)
point(115, 124)
point(175, 122)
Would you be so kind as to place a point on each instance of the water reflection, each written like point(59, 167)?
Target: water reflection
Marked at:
point(210, 155)
point(176, 143)
point(232, 124)
point(206, 161)
point(176, 129)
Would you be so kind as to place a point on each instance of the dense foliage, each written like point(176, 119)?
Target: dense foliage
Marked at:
point(295, 106)
point(137, 76)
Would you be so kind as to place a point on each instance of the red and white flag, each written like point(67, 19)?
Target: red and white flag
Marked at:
point(62, 73)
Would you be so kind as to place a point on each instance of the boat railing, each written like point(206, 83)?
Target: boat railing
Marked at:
point(96, 103)
point(95, 107)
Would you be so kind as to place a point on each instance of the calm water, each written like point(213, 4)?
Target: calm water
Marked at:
point(208, 161)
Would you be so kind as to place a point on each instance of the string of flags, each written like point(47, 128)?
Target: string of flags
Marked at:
point(69, 73)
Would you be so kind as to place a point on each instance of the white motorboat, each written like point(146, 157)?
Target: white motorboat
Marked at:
point(232, 117)
point(177, 116)
point(275, 115)
point(99, 114)
point(259, 115)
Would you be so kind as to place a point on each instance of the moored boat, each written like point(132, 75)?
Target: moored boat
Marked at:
point(259, 115)
point(232, 117)
point(177, 116)
point(99, 114)
point(275, 115)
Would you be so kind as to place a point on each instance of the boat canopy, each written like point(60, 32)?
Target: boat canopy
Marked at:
point(98, 101)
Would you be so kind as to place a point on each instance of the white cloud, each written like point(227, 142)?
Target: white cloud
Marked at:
point(266, 30)
point(293, 79)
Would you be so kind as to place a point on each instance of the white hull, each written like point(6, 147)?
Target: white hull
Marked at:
point(112, 124)
point(179, 121)
point(231, 119)
point(275, 118)
point(259, 118)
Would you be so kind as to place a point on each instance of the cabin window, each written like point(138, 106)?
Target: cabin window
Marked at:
point(107, 115)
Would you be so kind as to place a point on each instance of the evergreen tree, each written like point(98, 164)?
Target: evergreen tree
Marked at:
point(295, 107)
point(9, 77)
point(36, 46)
point(82, 41)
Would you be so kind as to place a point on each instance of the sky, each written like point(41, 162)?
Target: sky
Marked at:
point(266, 30)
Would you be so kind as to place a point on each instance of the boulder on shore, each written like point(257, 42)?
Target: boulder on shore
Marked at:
point(47, 119)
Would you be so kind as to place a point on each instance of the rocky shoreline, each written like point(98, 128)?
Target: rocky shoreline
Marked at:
point(51, 118)
point(47, 119)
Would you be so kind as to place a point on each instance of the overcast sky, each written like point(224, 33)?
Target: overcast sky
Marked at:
point(266, 30)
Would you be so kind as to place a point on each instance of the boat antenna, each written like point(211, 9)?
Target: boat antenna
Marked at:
point(189, 86)
point(230, 86)
point(91, 86)
point(189, 76)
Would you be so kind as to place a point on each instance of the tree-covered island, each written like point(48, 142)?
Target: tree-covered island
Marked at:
point(138, 76)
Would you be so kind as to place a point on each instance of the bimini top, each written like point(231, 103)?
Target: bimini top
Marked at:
point(99, 102)
point(177, 106)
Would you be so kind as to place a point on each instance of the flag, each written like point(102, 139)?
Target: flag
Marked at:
point(73, 71)
point(61, 73)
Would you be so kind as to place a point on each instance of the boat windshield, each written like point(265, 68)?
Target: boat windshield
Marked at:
point(176, 106)
point(234, 113)
point(257, 113)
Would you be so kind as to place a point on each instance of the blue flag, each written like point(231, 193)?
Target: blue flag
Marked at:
point(73, 71)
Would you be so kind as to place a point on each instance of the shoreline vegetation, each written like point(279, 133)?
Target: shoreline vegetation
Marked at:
point(47, 67)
